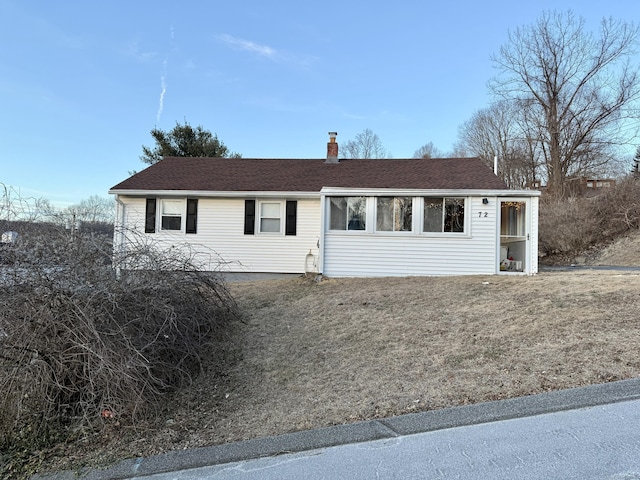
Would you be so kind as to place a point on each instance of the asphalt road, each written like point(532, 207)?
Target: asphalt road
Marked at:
point(585, 433)
point(591, 443)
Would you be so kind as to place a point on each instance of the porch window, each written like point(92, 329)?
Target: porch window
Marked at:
point(443, 215)
point(347, 213)
point(394, 214)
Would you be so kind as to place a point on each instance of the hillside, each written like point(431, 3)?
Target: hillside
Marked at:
point(309, 355)
point(625, 252)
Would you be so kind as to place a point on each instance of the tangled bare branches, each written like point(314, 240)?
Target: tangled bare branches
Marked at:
point(80, 344)
point(571, 226)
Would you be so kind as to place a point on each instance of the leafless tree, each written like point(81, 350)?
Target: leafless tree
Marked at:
point(366, 145)
point(459, 150)
point(429, 150)
point(496, 131)
point(95, 209)
point(577, 87)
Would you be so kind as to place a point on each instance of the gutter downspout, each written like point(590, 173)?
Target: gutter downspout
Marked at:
point(118, 234)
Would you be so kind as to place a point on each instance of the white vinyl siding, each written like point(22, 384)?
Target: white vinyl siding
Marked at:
point(371, 255)
point(221, 244)
point(532, 265)
point(134, 215)
point(222, 224)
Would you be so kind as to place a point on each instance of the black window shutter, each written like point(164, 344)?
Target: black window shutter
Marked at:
point(249, 217)
point(150, 216)
point(192, 215)
point(290, 225)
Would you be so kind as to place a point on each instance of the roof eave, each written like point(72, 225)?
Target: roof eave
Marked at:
point(211, 194)
point(326, 191)
point(431, 191)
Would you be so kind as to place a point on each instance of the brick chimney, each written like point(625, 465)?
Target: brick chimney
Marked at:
point(332, 148)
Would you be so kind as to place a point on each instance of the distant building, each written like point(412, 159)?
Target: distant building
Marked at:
point(580, 186)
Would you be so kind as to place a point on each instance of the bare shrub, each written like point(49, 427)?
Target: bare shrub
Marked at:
point(566, 225)
point(619, 208)
point(571, 226)
point(81, 345)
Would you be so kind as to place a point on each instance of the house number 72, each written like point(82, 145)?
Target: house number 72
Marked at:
point(483, 214)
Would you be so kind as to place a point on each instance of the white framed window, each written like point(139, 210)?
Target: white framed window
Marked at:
point(443, 215)
point(178, 215)
point(348, 213)
point(171, 212)
point(270, 220)
point(394, 214)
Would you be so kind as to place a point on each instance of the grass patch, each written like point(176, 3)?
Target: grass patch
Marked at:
point(309, 355)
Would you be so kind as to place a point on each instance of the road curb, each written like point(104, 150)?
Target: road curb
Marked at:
point(454, 417)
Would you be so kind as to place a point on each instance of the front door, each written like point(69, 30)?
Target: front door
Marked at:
point(514, 236)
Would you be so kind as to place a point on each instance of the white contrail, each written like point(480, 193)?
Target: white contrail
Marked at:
point(163, 86)
point(163, 78)
point(279, 56)
point(250, 46)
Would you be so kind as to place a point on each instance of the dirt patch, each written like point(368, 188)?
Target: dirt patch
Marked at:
point(310, 355)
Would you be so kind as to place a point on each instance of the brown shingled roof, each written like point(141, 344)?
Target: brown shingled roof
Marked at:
point(311, 175)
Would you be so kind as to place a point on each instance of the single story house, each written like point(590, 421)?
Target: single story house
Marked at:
point(331, 216)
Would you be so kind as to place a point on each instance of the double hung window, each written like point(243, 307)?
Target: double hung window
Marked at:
point(270, 217)
point(172, 215)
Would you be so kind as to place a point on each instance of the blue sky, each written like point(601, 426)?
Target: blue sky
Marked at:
point(82, 83)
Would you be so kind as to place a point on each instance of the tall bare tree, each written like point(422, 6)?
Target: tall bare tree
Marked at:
point(497, 131)
point(95, 209)
point(577, 87)
point(366, 145)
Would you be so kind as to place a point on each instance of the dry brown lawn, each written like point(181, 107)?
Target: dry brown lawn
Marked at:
point(310, 354)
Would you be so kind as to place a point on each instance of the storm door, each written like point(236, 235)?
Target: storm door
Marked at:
point(514, 236)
